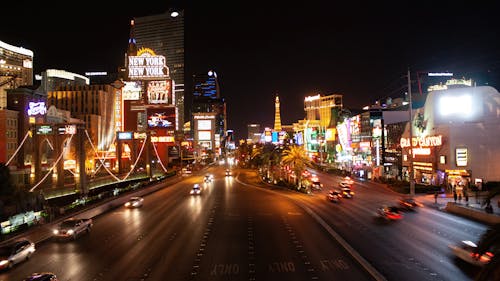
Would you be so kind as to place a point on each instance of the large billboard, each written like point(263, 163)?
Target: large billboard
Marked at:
point(159, 92)
point(161, 117)
point(147, 66)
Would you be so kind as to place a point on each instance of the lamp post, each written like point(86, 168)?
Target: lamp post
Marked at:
point(410, 154)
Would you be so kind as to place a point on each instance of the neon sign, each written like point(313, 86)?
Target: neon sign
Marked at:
point(37, 108)
point(422, 141)
point(147, 65)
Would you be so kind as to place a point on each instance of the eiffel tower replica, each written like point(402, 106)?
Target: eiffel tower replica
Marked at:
point(277, 118)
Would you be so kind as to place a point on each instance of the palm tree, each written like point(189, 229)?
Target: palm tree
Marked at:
point(295, 157)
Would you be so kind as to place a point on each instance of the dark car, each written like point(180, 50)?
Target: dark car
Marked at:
point(408, 203)
point(391, 213)
point(44, 276)
point(16, 252)
point(334, 196)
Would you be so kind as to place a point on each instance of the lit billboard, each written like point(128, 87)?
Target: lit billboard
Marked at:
point(159, 92)
point(131, 90)
point(147, 66)
point(161, 117)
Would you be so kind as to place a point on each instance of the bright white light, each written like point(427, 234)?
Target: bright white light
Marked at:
point(174, 14)
point(461, 105)
point(440, 74)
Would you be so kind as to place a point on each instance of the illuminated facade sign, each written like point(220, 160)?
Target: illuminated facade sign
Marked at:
point(147, 65)
point(204, 135)
point(67, 130)
point(161, 117)
point(118, 111)
point(44, 130)
point(131, 90)
point(139, 136)
point(330, 134)
point(159, 92)
point(124, 135)
point(461, 155)
point(204, 125)
point(37, 108)
point(422, 141)
point(162, 139)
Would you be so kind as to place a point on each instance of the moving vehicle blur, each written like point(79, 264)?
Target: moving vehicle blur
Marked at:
point(348, 180)
point(134, 202)
point(347, 192)
point(228, 173)
point(196, 190)
point(334, 196)
point(408, 203)
point(44, 276)
point(315, 183)
point(208, 178)
point(390, 213)
point(16, 252)
point(466, 252)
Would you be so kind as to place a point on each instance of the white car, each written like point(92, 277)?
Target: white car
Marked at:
point(134, 202)
point(15, 253)
point(196, 190)
point(465, 252)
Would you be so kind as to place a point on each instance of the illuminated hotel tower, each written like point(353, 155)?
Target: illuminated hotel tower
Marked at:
point(277, 118)
point(164, 33)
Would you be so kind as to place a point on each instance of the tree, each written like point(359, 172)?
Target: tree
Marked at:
point(6, 187)
point(295, 157)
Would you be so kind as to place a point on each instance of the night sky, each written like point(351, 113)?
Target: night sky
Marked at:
point(362, 52)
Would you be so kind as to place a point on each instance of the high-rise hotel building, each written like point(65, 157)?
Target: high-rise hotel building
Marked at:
point(164, 33)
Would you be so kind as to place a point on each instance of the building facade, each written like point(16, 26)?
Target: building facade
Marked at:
point(455, 138)
point(164, 33)
point(16, 69)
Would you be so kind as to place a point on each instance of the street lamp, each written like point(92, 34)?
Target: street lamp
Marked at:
point(410, 155)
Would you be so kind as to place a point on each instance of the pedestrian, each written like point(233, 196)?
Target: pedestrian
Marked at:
point(435, 197)
point(460, 197)
point(466, 198)
point(455, 196)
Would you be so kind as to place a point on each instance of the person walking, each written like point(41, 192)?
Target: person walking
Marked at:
point(455, 195)
point(435, 197)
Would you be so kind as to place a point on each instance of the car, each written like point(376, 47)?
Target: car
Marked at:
point(466, 252)
point(408, 203)
point(16, 252)
point(208, 178)
point(43, 276)
point(343, 184)
point(71, 228)
point(348, 180)
point(390, 213)
point(347, 192)
point(334, 196)
point(316, 185)
point(134, 202)
point(196, 190)
point(228, 173)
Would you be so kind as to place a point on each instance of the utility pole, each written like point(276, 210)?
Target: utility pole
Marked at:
point(410, 154)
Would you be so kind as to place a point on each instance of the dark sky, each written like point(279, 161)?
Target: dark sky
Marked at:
point(360, 51)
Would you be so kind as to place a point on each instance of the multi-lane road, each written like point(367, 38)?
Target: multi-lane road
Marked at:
point(237, 231)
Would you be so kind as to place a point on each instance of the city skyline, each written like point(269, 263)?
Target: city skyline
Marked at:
point(260, 51)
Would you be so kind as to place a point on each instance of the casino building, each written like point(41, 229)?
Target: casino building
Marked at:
point(455, 138)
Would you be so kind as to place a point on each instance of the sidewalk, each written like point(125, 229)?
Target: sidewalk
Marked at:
point(473, 209)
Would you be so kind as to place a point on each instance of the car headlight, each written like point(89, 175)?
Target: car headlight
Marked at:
point(127, 204)
point(71, 231)
point(4, 262)
point(56, 231)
